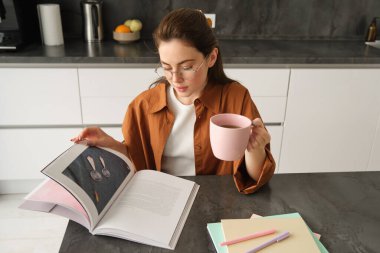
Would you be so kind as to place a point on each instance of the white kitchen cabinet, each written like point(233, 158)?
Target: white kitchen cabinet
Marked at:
point(331, 120)
point(269, 89)
point(275, 144)
point(107, 92)
point(37, 108)
point(115, 132)
point(39, 96)
point(25, 152)
point(374, 160)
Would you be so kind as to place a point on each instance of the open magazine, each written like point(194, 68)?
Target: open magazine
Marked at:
point(100, 189)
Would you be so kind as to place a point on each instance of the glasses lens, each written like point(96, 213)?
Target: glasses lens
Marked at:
point(160, 71)
point(187, 74)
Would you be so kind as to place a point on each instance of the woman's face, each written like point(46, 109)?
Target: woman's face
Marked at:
point(185, 68)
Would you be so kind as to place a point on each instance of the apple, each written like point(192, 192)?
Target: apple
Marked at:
point(128, 22)
point(135, 25)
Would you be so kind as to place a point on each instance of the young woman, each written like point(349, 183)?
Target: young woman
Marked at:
point(166, 128)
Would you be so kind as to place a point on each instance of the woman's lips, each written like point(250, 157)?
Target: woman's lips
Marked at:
point(181, 88)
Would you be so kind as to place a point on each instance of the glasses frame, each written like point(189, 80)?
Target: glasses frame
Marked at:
point(178, 72)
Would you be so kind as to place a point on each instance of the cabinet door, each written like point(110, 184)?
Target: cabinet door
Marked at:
point(115, 132)
point(374, 161)
point(275, 144)
point(106, 93)
point(268, 88)
point(25, 152)
point(330, 120)
point(30, 96)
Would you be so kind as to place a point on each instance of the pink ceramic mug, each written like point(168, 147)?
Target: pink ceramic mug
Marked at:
point(229, 135)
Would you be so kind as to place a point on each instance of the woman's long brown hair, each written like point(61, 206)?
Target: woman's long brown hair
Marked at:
point(191, 26)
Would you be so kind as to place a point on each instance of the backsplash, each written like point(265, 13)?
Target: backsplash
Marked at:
point(240, 19)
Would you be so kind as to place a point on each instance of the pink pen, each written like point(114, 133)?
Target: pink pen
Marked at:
point(249, 237)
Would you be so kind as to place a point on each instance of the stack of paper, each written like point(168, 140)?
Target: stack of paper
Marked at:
point(301, 238)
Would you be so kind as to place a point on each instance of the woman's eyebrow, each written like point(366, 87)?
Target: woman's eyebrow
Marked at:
point(182, 62)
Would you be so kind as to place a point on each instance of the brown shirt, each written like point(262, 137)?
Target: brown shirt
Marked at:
point(148, 123)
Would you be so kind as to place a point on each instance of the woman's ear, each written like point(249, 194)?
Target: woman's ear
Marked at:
point(212, 57)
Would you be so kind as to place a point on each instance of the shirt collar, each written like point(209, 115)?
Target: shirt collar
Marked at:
point(161, 103)
point(211, 97)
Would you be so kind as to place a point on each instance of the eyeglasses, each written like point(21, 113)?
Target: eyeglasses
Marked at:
point(187, 73)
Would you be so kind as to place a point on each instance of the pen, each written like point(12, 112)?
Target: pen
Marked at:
point(248, 237)
point(270, 242)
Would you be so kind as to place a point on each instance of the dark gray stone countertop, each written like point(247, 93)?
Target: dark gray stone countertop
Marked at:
point(285, 53)
point(343, 207)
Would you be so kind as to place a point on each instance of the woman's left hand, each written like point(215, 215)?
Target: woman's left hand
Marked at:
point(259, 137)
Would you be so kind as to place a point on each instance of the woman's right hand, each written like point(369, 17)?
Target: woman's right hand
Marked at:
point(94, 136)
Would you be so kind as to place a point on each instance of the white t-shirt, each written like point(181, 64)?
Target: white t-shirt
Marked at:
point(178, 158)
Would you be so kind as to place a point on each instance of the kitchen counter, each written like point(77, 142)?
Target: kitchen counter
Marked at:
point(281, 53)
point(342, 207)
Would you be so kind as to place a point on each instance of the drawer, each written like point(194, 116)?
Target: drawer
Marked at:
point(25, 152)
point(262, 82)
point(268, 89)
point(272, 109)
point(115, 82)
point(115, 132)
point(106, 93)
point(30, 96)
point(104, 110)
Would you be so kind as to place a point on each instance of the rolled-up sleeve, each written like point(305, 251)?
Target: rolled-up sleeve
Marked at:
point(244, 183)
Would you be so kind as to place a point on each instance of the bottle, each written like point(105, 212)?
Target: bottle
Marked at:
point(92, 20)
point(371, 32)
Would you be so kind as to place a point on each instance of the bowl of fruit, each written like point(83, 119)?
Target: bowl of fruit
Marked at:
point(127, 32)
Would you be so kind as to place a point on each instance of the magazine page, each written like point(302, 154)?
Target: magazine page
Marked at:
point(51, 197)
point(95, 176)
point(152, 209)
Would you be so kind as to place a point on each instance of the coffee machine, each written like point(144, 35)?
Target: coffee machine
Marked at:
point(18, 23)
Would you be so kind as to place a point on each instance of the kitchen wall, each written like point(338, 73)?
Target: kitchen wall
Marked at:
point(257, 19)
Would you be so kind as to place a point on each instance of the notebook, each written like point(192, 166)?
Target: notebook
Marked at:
point(292, 215)
point(217, 236)
point(300, 239)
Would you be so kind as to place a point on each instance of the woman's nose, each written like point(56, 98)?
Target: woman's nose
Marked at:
point(177, 77)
